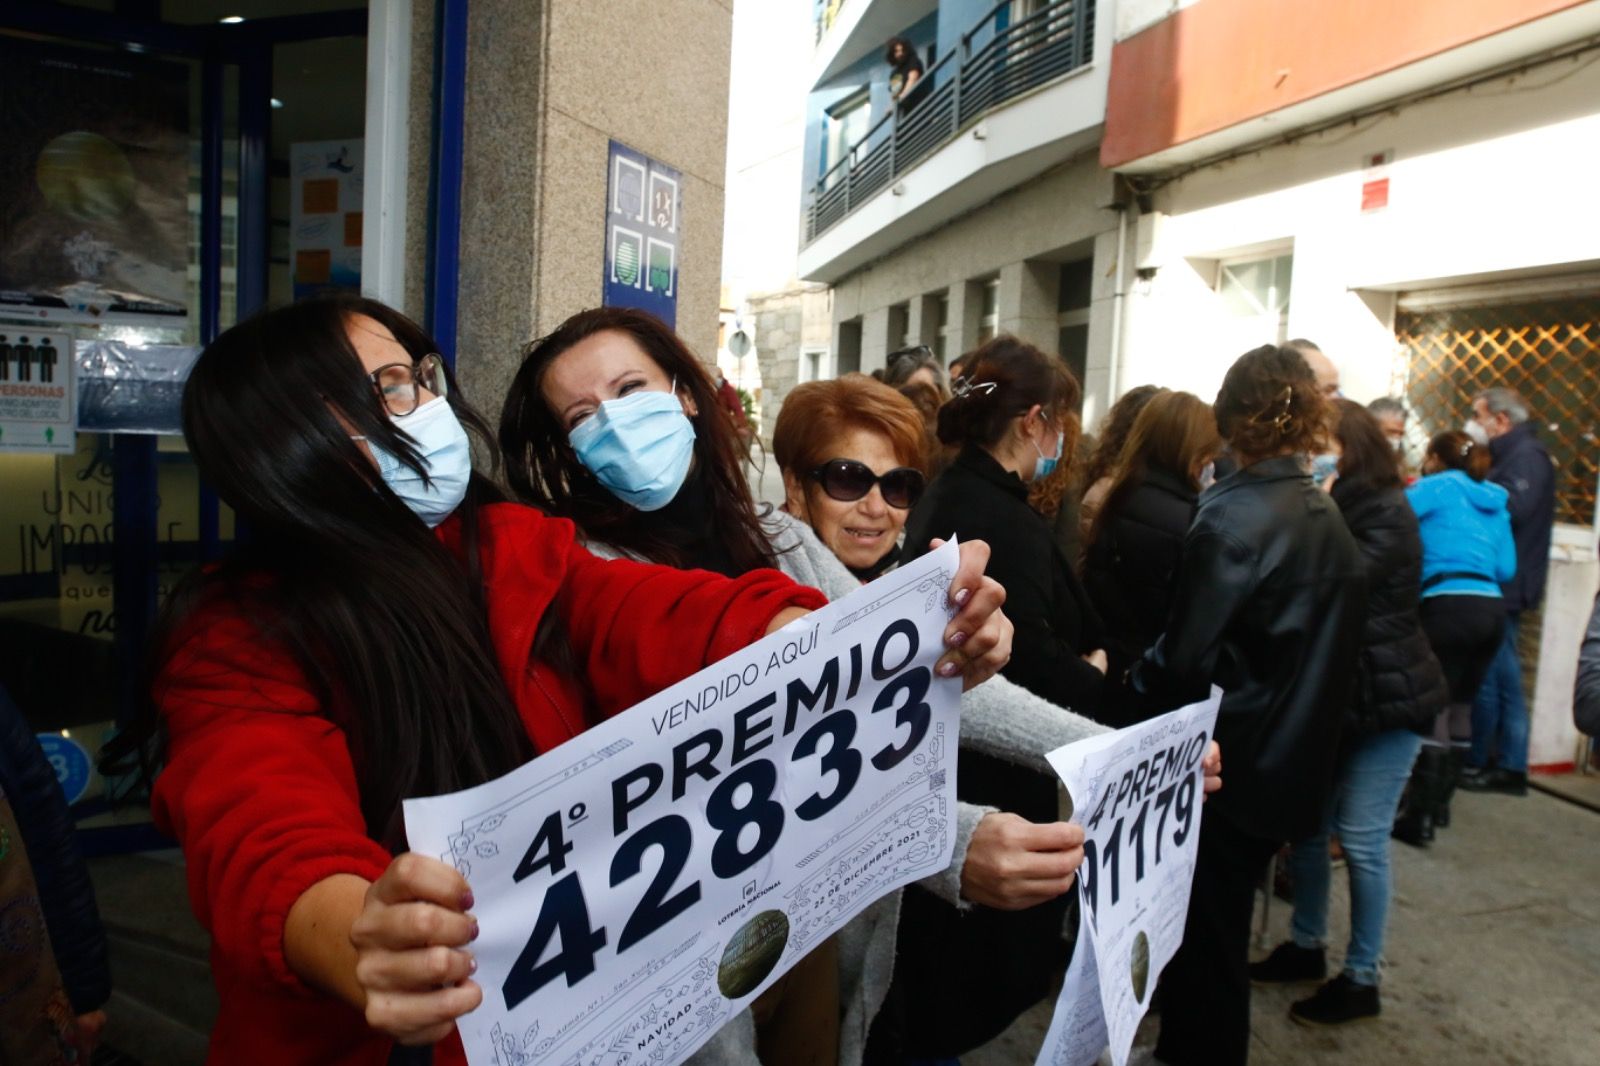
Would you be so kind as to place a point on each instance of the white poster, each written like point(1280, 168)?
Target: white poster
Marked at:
point(1137, 793)
point(38, 391)
point(325, 222)
point(640, 884)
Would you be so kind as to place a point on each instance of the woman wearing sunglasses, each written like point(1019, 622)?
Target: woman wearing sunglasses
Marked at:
point(609, 422)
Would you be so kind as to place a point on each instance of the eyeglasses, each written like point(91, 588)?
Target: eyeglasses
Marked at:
point(848, 480)
point(400, 385)
point(916, 351)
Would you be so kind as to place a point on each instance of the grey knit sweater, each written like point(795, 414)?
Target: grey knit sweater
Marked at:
point(997, 718)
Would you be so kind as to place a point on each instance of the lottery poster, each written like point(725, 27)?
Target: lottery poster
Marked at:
point(1137, 793)
point(639, 885)
point(644, 228)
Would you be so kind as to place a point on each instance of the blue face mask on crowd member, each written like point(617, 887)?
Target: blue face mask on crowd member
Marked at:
point(638, 447)
point(1047, 463)
point(1323, 467)
point(446, 453)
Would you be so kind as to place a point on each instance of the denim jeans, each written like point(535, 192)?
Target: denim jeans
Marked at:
point(1500, 714)
point(1361, 810)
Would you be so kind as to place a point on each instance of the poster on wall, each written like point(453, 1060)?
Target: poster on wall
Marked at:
point(38, 392)
point(94, 181)
point(325, 216)
point(644, 209)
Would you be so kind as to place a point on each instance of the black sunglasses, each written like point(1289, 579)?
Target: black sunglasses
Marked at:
point(847, 480)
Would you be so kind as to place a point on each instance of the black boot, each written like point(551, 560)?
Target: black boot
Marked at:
point(1414, 825)
point(1455, 761)
point(1339, 1001)
point(1289, 962)
point(1508, 782)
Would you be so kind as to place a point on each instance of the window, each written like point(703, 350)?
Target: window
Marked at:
point(848, 350)
point(813, 364)
point(989, 323)
point(1072, 317)
point(843, 126)
point(900, 327)
point(1257, 291)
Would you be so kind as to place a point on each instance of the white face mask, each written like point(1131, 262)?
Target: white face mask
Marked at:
point(446, 453)
point(1475, 430)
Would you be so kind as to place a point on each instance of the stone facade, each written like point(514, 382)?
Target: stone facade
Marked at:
point(787, 322)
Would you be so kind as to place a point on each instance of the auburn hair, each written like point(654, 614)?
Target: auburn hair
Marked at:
point(1365, 454)
point(815, 415)
point(1005, 378)
point(1114, 430)
point(1269, 404)
point(1175, 432)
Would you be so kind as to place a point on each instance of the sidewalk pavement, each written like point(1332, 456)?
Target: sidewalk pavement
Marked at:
point(1493, 953)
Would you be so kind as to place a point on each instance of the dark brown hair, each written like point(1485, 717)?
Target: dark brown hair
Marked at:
point(1366, 456)
point(1004, 378)
point(1456, 451)
point(1269, 404)
point(1174, 432)
point(818, 413)
point(542, 469)
point(1114, 430)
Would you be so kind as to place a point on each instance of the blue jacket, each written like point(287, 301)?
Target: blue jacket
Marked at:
point(1466, 529)
point(1522, 467)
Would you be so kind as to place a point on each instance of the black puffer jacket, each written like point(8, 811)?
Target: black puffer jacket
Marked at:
point(1132, 566)
point(1268, 606)
point(1399, 683)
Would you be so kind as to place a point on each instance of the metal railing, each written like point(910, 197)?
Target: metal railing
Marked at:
point(993, 63)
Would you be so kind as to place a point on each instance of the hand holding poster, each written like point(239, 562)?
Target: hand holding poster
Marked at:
point(638, 885)
point(1137, 793)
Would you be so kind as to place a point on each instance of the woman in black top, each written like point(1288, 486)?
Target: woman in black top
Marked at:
point(1269, 607)
point(1136, 542)
point(1012, 418)
point(905, 70)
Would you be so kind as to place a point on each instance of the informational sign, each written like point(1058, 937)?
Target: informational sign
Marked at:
point(325, 215)
point(1137, 793)
point(38, 391)
point(1375, 180)
point(70, 762)
point(640, 884)
point(132, 388)
point(94, 181)
point(644, 223)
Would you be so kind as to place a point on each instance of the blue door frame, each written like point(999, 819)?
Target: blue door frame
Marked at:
point(248, 46)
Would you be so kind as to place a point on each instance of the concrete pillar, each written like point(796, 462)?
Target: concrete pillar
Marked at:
point(1098, 394)
point(1028, 295)
point(923, 321)
point(876, 342)
point(966, 313)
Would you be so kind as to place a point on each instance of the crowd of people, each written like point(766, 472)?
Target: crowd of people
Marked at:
point(425, 602)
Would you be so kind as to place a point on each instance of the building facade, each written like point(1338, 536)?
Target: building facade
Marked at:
point(1152, 187)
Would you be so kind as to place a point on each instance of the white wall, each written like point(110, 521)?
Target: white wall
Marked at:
point(1490, 182)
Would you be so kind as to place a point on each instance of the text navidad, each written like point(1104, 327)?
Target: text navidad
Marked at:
point(742, 820)
point(1142, 799)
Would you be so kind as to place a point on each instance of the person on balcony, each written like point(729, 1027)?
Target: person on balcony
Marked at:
point(905, 71)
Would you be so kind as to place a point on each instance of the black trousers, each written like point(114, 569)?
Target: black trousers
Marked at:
point(1205, 997)
point(1465, 632)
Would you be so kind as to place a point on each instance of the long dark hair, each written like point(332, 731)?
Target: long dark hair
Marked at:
point(388, 627)
point(543, 470)
point(1174, 432)
point(1004, 378)
point(1114, 430)
point(1366, 458)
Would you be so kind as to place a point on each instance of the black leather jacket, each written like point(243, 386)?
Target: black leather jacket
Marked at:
point(1269, 607)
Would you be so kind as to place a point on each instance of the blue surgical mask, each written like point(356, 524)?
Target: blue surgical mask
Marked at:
point(1047, 463)
point(1323, 467)
point(446, 453)
point(638, 447)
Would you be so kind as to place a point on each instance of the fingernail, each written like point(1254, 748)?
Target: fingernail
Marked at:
point(949, 669)
point(467, 900)
point(958, 638)
point(962, 597)
point(474, 935)
point(472, 966)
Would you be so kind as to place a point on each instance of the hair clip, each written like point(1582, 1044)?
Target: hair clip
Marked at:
point(1284, 418)
point(963, 386)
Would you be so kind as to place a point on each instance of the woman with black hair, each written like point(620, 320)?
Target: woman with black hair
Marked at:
point(1399, 690)
point(905, 70)
point(607, 423)
point(1268, 606)
point(389, 629)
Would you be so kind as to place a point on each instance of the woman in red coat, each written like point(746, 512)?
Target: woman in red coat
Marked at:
point(388, 628)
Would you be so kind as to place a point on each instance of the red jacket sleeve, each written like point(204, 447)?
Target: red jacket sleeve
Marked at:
point(259, 790)
point(637, 628)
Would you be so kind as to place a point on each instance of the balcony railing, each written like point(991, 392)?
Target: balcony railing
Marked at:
point(992, 65)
